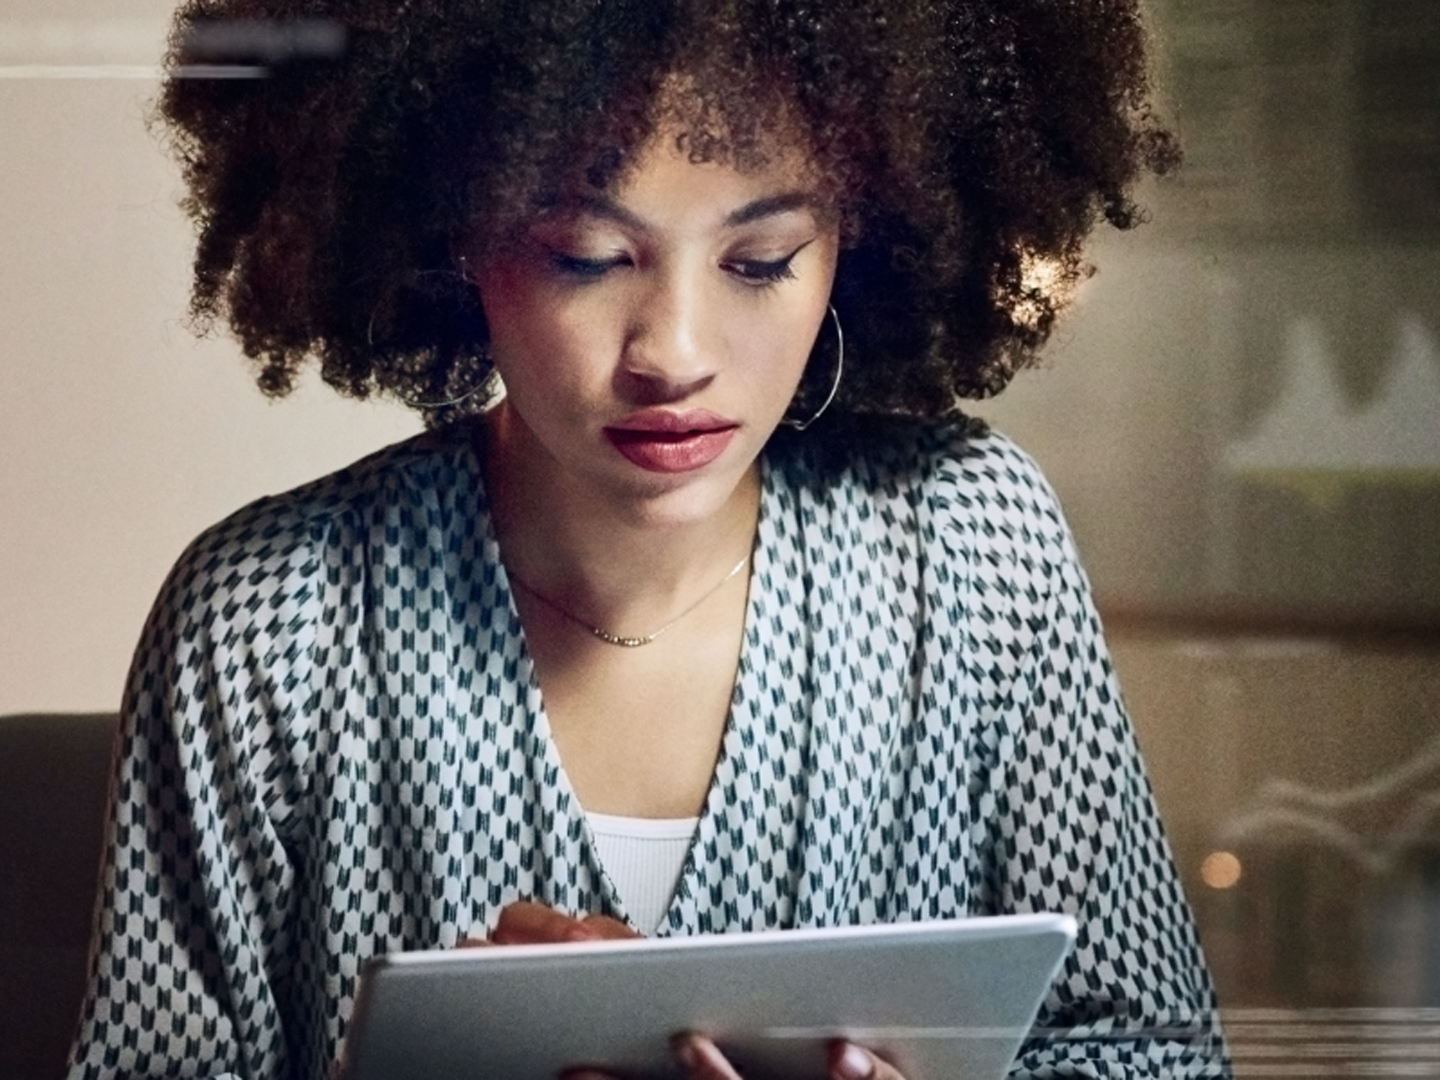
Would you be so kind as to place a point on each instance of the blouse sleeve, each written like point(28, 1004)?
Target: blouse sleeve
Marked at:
point(189, 961)
point(1072, 826)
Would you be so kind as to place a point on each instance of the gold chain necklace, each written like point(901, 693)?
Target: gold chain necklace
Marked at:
point(620, 639)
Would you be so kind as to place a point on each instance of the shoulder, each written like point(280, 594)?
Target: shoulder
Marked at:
point(952, 532)
point(969, 488)
point(255, 604)
point(349, 499)
point(979, 475)
point(261, 570)
point(429, 462)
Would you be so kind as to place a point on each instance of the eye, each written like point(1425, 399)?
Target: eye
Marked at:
point(581, 268)
point(762, 272)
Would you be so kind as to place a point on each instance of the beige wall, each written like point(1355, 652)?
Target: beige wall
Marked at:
point(121, 436)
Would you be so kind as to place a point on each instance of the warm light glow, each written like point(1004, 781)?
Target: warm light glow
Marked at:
point(1042, 274)
point(1220, 870)
point(1043, 281)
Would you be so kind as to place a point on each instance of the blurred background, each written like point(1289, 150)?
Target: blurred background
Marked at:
point(1243, 421)
point(1242, 417)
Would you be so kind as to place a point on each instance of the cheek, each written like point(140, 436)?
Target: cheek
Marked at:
point(769, 362)
point(514, 309)
point(548, 349)
point(530, 336)
point(792, 340)
point(794, 348)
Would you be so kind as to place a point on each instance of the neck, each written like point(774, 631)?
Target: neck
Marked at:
point(619, 559)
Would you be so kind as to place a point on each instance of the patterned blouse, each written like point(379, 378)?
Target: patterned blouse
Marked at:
point(334, 745)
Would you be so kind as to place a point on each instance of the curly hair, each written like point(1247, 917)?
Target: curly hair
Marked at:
point(971, 146)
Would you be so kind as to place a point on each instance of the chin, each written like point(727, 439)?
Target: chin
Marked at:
point(679, 500)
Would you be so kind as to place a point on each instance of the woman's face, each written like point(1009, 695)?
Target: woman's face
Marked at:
point(651, 336)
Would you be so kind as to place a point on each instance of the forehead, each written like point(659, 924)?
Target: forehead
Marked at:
point(666, 192)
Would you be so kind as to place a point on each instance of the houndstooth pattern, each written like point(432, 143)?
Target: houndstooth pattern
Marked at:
point(334, 746)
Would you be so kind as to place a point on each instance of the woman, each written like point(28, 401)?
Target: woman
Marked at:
point(619, 649)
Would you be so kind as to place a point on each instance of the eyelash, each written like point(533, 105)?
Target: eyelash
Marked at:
point(761, 275)
point(755, 273)
point(584, 269)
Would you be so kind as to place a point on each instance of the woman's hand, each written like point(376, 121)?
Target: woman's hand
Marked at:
point(701, 1059)
point(528, 923)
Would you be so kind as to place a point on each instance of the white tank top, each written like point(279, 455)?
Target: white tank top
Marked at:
point(643, 857)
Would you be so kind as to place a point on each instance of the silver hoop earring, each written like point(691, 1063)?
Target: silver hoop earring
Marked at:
point(488, 383)
point(414, 403)
point(801, 425)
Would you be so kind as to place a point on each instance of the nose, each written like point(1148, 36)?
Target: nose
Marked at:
point(668, 351)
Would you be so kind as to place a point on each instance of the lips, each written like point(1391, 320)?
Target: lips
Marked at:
point(659, 440)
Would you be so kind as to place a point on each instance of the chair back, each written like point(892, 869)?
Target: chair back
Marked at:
point(54, 785)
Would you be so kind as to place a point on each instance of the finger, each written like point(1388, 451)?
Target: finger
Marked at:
point(851, 1062)
point(700, 1058)
point(603, 926)
point(584, 1074)
point(528, 923)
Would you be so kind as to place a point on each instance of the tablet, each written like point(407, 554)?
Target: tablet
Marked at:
point(941, 999)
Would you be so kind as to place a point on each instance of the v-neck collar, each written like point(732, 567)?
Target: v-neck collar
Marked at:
point(575, 844)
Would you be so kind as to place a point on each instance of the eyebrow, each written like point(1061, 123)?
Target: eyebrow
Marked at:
point(769, 206)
